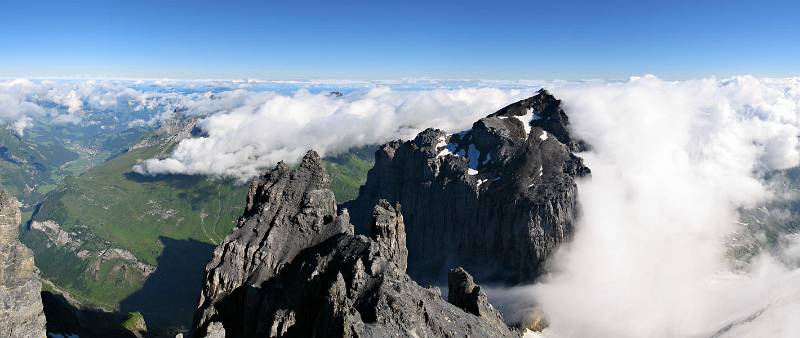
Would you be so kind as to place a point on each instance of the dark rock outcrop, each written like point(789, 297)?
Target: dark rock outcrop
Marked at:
point(21, 310)
point(294, 268)
point(464, 293)
point(496, 199)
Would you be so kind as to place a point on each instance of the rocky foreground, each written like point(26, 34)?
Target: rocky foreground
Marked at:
point(294, 268)
point(21, 311)
point(497, 199)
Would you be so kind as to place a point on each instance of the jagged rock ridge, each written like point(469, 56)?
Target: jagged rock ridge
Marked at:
point(21, 311)
point(497, 198)
point(294, 268)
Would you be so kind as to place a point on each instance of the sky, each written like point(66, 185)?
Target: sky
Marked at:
point(410, 39)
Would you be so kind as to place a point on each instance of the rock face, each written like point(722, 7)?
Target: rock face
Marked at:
point(21, 311)
point(170, 132)
point(496, 199)
point(294, 268)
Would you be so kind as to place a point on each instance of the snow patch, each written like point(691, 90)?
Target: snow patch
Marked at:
point(442, 142)
point(472, 172)
point(526, 121)
point(543, 136)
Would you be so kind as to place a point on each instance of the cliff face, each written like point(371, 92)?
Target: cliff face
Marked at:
point(294, 268)
point(497, 198)
point(21, 311)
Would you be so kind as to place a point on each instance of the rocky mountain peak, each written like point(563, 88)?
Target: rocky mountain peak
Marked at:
point(294, 268)
point(21, 311)
point(544, 111)
point(308, 179)
point(287, 211)
point(497, 198)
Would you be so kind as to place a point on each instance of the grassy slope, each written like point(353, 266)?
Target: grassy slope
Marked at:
point(108, 204)
point(132, 212)
point(348, 172)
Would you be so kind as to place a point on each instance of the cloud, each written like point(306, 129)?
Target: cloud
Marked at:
point(22, 101)
point(13, 106)
point(672, 165)
point(673, 162)
point(248, 131)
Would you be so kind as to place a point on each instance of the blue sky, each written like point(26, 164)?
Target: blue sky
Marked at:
point(382, 39)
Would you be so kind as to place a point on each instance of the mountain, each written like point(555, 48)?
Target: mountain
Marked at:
point(35, 163)
point(116, 241)
point(102, 236)
point(497, 199)
point(111, 240)
point(771, 227)
point(294, 268)
point(28, 164)
point(21, 311)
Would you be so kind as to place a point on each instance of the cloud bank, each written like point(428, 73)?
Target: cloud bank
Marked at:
point(22, 101)
point(673, 163)
point(251, 131)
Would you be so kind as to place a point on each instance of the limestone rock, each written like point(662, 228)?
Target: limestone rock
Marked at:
point(21, 311)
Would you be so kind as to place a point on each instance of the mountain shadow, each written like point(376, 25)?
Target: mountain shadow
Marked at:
point(169, 296)
point(66, 318)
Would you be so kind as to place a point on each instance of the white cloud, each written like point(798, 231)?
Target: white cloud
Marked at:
point(23, 101)
point(14, 108)
point(251, 131)
point(672, 162)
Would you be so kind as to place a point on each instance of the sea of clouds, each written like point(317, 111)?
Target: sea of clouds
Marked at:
point(673, 163)
point(264, 128)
